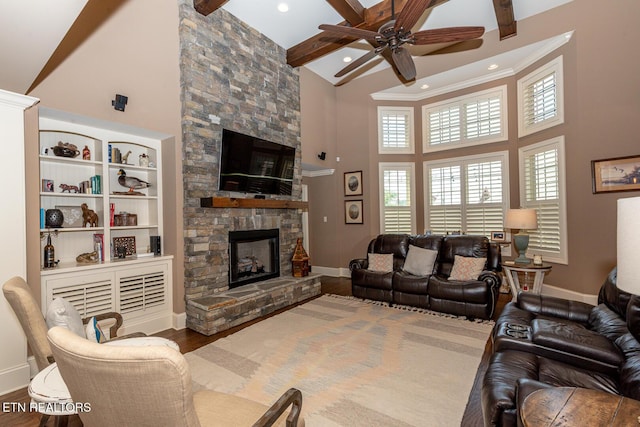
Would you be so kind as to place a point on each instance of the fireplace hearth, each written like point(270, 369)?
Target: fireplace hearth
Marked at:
point(254, 255)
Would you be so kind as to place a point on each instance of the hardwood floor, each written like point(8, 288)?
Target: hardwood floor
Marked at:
point(189, 340)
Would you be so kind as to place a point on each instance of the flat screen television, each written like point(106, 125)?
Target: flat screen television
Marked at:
point(253, 165)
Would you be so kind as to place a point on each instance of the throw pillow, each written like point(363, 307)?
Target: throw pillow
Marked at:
point(420, 261)
point(467, 268)
point(62, 313)
point(93, 331)
point(381, 262)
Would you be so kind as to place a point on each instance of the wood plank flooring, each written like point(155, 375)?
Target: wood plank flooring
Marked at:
point(189, 340)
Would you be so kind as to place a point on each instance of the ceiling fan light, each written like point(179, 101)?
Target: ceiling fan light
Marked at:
point(283, 7)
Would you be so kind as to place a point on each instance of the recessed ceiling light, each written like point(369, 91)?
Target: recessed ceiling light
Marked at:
point(492, 67)
point(347, 59)
point(283, 7)
point(425, 86)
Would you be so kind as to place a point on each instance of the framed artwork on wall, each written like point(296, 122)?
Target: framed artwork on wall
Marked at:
point(353, 183)
point(616, 174)
point(353, 212)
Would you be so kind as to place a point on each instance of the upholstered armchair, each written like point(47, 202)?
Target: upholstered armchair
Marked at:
point(18, 294)
point(152, 386)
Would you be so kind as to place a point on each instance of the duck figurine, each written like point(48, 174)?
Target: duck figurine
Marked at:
point(131, 182)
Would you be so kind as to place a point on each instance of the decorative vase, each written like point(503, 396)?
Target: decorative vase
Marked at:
point(53, 218)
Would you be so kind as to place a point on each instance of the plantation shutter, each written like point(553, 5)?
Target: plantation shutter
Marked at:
point(397, 201)
point(445, 200)
point(542, 192)
point(485, 208)
point(395, 130)
point(445, 125)
point(540, 100)
point(483, 118)
point(467, 194)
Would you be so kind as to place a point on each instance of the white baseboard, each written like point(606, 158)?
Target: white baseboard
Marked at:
point(332, 271)
point(14, 378)
point(554, 291)
point(150, 324)
point(179, 321)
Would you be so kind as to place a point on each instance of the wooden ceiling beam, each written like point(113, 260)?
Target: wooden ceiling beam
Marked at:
point(507, 24)
point(351, 10)
point(324, 42)
point(205, 7)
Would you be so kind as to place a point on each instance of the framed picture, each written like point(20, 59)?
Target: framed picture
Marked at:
point(353, 183)
point(72, 216)
point(353, 212)
point(47, 186)
point(124, 246)
point(616, 174)
point(498, 236)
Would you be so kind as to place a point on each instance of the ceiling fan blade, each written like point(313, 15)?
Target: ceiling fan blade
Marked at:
point(412, 11)
point(506, 21)
point(447, 35)
point(350, 31)
point(403, 60)
point(358, 62)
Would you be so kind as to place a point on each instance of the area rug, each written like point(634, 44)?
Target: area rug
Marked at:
point(357, 364)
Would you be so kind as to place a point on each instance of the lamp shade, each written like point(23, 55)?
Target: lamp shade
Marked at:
point(629, 245)
point(521, 219)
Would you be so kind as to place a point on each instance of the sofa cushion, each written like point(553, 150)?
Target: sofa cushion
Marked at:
point(381, 262)
point(467, 268)
point(614, 298)
point(630, 370)
point(605, 321)
point(420, 261)
point(575, 339)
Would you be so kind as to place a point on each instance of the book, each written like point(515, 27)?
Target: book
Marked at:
point(112, 212)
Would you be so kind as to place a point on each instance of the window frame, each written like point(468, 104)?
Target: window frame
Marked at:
point(557, 143)
point(409, 112)
point(461, 101)
point(382, 166)
point(463, 161)
point(553, 66)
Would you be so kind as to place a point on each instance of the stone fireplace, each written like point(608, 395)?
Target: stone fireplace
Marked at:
point(235, 78)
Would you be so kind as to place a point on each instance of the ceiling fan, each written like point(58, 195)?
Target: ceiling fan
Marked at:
point(397, 32)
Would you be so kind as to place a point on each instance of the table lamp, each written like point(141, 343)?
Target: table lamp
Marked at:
point(629, 245)
point(521, 219)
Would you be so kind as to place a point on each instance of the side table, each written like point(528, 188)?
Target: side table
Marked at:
point(512, 269)
point(571, 406)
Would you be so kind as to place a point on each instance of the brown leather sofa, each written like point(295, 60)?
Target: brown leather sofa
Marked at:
point(472, 298)
point(543, 341)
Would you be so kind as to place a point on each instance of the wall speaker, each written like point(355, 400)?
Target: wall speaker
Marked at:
point(119, 102)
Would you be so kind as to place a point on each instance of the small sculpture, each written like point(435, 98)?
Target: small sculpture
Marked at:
point(88, 216)
point(68, 188)
point(125, 157)
point(131, 182)
point(87, 258)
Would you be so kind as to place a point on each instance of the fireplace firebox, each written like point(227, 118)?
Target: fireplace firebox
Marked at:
point(254, 255)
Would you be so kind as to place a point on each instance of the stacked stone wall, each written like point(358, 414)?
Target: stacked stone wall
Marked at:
point(232, 77)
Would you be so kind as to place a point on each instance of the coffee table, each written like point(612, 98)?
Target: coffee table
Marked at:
point(572, 406)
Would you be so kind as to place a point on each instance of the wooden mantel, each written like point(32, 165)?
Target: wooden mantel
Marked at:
point(231, 202)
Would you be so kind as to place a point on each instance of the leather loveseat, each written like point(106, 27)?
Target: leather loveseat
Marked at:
point(543, 341)
point(433, 288)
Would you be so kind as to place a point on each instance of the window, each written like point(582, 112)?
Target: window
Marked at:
point(542, 187)
point(397, 198)
point(467, 194)
point(478, 118)
point(395, 130)
point(540, 99)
